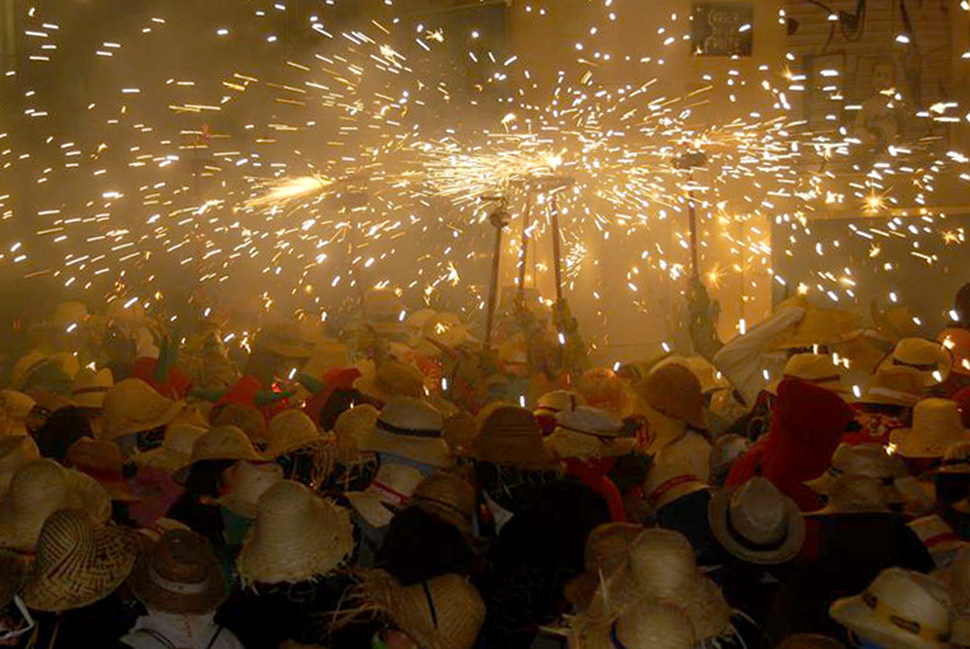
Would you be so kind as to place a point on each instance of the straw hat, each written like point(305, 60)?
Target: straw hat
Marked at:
point(224, 443)
point(587, 433)
point(133, 406)
point(325, 356)
point(854, 494)
point(246, 417)
point(297, 535)
point(290, 430)
point(936, 425)
point(175, 453)
point(674, 474)
point(246, 484)
point(102, 460)
point(390, 489)
point(661, 565)
point(285, 339)
point(818, 327)
point(895, 385)
point(79, 561)
point(901, 609)
point(179, 574)
point(62, 365)
point(353, 426)
point(647, 624)
point(409, 428)
point(460, 431)
point(602, 388)
point(90, 387)
point(938, 537)
point(552, 403)
point(442, 613)
point(674, 391)
point(757, 523)
point(814, 368)
point(39, 489)
point(931, 358)
point(17, 407)
point(708, 376)
point(449, 498)
point(958, 342)
point(607, 547)
point(870, 460)
point(392, 379)
point(956, 459)
point(510, 435)
point(15, 452)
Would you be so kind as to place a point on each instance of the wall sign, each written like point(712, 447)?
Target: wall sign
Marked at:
point(723, 28)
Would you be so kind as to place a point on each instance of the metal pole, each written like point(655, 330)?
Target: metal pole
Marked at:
point(692, 224)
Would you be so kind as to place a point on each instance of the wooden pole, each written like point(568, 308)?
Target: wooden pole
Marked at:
point(556, 246)
point(499, 221)
point(524, 245)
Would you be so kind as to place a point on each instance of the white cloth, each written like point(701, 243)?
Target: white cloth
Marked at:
point(182, 631)
point(743, 359)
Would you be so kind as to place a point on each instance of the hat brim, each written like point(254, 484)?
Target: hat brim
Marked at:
point(944, 368)
point(163, 419)
point(855, 615)
point(155, 597)
point(369, 387)
point(163, 459)
point(432, 451)
point(908, 444)
point(718, 511)
point(369, 506)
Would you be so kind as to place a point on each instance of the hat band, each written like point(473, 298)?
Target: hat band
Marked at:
point(818, 380)
point(431, 607)
point(893, 394)
point(615, 636)
point(887, 613)
point(388, 493)
point(751, 545)
point(668, 485)
point(937, 539)
point(409, 432)
point(178, 587)
point(441, 503)
point(922, 367)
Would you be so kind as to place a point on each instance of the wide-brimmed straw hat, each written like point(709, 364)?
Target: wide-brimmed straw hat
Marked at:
point(854, 494)
point(819, 369)
point(79, 561)
point(587, 433)
point(246, 484)
point(391, 489)
point(90, 387)
point(224, 443)
point(958, 342)
point(510, 435)
point(36, 367)
point(661, 565)
point(708, 376)
point(412, 429)
point(936, 425)
point(290, 430)
point(870, 460)
point(17, 407)
point(39, 489)
point(244, 416)
point(900, 609)
point(354, 426)
point(675, 392)
point(102, 460)
point(931, 358)
point(607, 547)
point(175, 453)
point(757, 523)
point(445, 612)
point(449, 498)
point(818, 327)
point(15, 452)
point(133, 406)
point(325, 356)
point(895, 385)
point(938, 538)
point(674, 473)
point(647, 624)
point(179, 574)
point(392, 379)
point(297, 536)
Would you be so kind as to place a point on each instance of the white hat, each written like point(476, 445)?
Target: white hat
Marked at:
point(936, 425)
point(412, 429)
point(393, 486)
point(586, 433)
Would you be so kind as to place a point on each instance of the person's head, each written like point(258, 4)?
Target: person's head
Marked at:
point(62, 428)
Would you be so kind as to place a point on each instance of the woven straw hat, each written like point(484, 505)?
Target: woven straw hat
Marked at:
point(102, 460)
point(552, 403)
point(607, 547)
point(956, 459)
point(79, 561)
point(708, 376)
point(677, 470)
point(15, 452)
point(353, 426)
point(936, 425)
point(757, 523)
point(647, 624)
point(39, 489)
point(409, 428)
point(63, 365)
point(90, 387)
point(674, 391)
point(290, 430)
point(325, 356)
point(449, 498)
point(931, 358)
point(246, 484)
point(510, 435)
point(895, 385)
point(133, 406)
point(819, 369)
point(854, 494)
point(442, 613)
point(392, 379)
point(17, 407)
point(392, 487)
point(870, 460)
point(297, 535)
point(179, 574)
point(246, 418)
point(661, 565)
point(224, 443)
point(175, 453)
point(899, 610)
point(587, 433)
point(938, 537)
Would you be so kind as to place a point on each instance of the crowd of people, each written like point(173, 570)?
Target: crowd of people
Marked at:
point(406, 485)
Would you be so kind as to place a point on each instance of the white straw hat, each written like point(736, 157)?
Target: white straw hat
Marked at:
point(757, 523)
point(936, 425)
point(930, 357)
point(290, 430)
point(175, 453)
point(586, 433)
point(392, 487)
point(133, 406)
point(870, 460)
point(246, 484)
